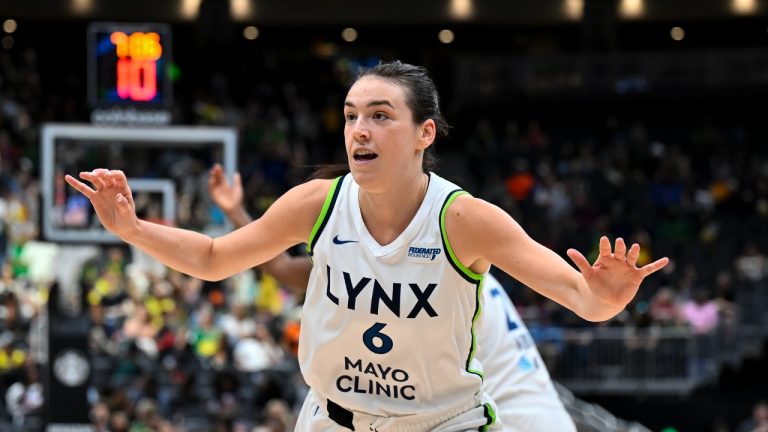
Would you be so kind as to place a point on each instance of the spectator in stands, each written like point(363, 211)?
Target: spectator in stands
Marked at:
point(147, 418)
point(13, 321)
point(520, 181)
point(139, 329)
point(702, 316)
point(100, 338)
point(3, 228)
point(257, 350)
point(25, 397)
point(700, 313)
point(204, 336)
point(236, 323)
point(759, 420)
point(278, 417)
point(724, 294)
point(751, 265)
point(665, 308)
point(119, 422)
point(100, 417)
point(535, 139)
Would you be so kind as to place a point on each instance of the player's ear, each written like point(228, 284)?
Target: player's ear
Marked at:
point(427, 132)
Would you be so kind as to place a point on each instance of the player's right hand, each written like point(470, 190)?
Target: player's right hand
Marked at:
point(227, 196)
point(111, 198)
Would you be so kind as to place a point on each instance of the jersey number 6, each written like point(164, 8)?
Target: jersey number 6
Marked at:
point(375, 333)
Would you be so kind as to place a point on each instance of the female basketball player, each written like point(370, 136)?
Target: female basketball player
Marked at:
point(388, 337)
point(515, 375)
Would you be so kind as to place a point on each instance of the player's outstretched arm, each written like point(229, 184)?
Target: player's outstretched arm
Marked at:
point(482, 234)
point(287, 222)
point(292, 272)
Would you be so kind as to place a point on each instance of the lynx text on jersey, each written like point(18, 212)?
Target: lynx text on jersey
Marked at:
point(379, 296)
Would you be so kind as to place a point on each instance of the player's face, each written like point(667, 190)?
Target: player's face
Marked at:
point(381, 138)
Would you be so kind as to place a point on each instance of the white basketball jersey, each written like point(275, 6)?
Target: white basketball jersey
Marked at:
point(507, 351)
point(389, 329)
point(516, 377)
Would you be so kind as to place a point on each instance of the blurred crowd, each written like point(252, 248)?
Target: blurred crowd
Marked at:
point(174, 353)
point(697, 193)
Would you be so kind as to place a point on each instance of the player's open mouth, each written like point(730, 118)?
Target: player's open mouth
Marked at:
point(364, 155)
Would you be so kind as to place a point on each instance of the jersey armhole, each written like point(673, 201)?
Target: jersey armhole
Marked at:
point(470, 276)
point(463, 270)
point(325, 213)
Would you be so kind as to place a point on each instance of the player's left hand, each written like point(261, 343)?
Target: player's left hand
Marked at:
point(228, 197)
point(615, 278)
point(111, 198)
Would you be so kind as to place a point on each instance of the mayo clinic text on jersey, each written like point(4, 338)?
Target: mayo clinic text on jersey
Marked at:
point(367, 380)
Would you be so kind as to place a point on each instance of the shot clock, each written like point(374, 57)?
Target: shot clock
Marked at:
point(127, 72)
point(137, 58)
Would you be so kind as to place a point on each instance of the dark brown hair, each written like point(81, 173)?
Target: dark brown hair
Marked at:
point(421, 97)
point(420, 94)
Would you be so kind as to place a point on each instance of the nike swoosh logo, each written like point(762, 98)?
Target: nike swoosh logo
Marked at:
point(341, 242)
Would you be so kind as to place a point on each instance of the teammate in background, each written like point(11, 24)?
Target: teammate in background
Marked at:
point(388, 340)
point(515, 375)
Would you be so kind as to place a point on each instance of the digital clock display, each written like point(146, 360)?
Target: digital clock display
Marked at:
point(128, 65)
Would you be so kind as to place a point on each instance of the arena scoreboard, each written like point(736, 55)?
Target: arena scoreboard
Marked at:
point(128, 69)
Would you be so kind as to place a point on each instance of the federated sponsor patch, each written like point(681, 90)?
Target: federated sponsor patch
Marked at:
point(424, 254)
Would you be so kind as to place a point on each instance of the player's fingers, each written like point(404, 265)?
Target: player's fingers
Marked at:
point(97, 183)
point(217, 171)
point(654, 266)
point(120, 181)
point(238, 181)
point(102, 182)
point(217, 175)
point(605, 247)
point(99, 178)
point(620, 250)
point(579, 260)
point(123, 204)
point(118, 178)
point(80, 186)
point(633, 255)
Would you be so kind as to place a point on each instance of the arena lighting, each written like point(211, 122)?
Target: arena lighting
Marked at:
point(446, 36)
point(250, 32)
point(630, 9)
point(241, 9)
point(744, 7)
point(7, 42)
point(677, 33)
point(189, 9)
point(461, 9)
point(9, 26)
point(574, 9)
point(82, 6)
point(349, 34)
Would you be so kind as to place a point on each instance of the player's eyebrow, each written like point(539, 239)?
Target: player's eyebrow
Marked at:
point(375, 102)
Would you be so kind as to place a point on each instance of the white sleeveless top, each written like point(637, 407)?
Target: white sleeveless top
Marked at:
point(513, 366)
point(389, 330)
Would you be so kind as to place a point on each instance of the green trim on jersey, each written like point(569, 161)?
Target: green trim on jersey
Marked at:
point(325, 213)
point(490, 414)
point(468, 275)
point(478, 311)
